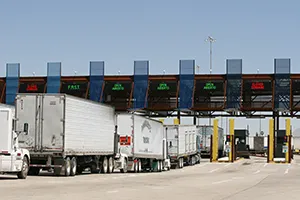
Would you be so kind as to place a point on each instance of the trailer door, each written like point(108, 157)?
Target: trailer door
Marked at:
point(53, 122)
point(28, 111)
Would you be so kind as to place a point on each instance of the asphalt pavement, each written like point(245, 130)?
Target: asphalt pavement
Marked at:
point(245, 179)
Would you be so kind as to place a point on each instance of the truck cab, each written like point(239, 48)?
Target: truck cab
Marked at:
point(13, 160)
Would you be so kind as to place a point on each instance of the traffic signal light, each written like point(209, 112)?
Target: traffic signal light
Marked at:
point(285, 139)
point(227, 138)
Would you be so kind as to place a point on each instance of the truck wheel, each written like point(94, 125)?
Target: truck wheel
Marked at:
point(67, 167)
point(181, 163)
point(110, 165)
point(105, 165)
point(159, 166)
point(73, 166)
point(139, 165)
point(124, 170)
point(25, 168)
point(34, 171)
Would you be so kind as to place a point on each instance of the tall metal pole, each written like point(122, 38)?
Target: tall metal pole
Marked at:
point(259, 133)
point(210, 40)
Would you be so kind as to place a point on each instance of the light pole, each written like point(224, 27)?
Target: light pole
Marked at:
point(259, 133)
point(210, 40)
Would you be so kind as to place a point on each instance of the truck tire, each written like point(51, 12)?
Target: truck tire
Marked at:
point(124, 169)
point(67, 166)
point(181, 163)
point(73, 167)
point(25, 168)
point(110, 165)
point(139, 165)
point(33, 171)
point(136, 167)
point(159, 166)
point(105, 165)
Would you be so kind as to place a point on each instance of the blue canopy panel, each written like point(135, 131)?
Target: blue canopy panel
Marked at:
point(53, 77)
point(140, 90)
point(234, 84)
point(282, 69)
point(96, 80)
point(186, 87)
point(12, 82)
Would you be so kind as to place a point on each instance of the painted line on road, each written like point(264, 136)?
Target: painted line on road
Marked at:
point(286, 171)
point(265, 164)
point(237, 178)
point(227, 165)
point(203, 165)
point(214, 170)
point(256, 172)
point(219, 182)
point(112, 191)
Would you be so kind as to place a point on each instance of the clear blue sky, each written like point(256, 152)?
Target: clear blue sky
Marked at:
point(119, 32)
point(163, 32)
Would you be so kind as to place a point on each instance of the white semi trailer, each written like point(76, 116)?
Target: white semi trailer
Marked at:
point(182, 145)
point(13, 160)
point(142, 144)
point(68, 134)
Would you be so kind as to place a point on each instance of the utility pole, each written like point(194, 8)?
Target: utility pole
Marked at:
point(259, 133)
point(210, 40)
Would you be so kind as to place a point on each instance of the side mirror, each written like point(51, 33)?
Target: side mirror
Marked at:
point(26, 128)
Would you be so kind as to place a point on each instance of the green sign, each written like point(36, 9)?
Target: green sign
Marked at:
point(209, 86)
point(74, 87)
point(163, 86)
point(118, 87)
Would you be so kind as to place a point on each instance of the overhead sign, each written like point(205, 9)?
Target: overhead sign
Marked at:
point(73, 87)
point(257, 86)
point(163, 86)
point(209, 86)
point(32, 88)
point(118, 87)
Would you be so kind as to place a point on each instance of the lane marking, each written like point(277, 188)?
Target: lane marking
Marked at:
point(237, 178)
point(214, 170)
point(227, 165)
point(219, 182)
point(203, 165)
point(112, 191)
point(265, 164)
point(286, 171)
point(256, 172)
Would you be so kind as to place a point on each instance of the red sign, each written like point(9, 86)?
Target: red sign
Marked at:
point(125, 140)
point(32, 88)
point(258, 86)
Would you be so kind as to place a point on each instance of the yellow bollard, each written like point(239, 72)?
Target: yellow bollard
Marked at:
point(271, 140)
point(215, 141)
point(288, 133)
point(176, 121)
point(231, 133)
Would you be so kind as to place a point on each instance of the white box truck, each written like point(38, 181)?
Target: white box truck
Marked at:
point(142, 144)
point(205, 133)
point(68, 134)
point(13, 160)
point(182, 145)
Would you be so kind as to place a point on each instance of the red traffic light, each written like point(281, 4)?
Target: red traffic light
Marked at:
point(285, 138)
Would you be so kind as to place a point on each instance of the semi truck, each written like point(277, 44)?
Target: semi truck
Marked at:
point(182, 145)
point(205, 133)
point(258, 145)
point(13, 159)
point(68, 134)
point(142, 144)
point(241, 139)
